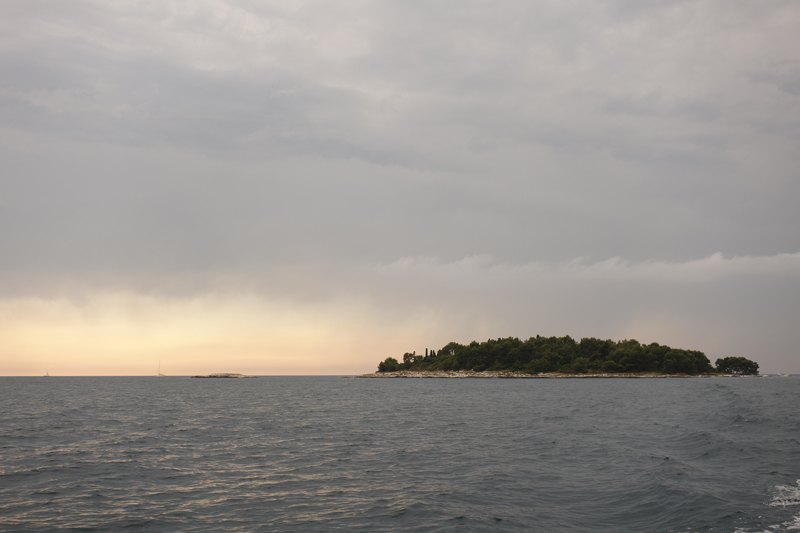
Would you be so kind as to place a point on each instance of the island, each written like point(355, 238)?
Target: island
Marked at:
point(224, 375)
point(560, 357)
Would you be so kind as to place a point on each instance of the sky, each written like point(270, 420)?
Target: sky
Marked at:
point(309, 187)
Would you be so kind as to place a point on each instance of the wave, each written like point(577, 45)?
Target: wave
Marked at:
point(785, 495)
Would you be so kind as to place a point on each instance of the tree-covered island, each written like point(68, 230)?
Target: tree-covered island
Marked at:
point(565, 355)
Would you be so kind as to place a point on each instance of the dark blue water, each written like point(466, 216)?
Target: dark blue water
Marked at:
point(328, 454)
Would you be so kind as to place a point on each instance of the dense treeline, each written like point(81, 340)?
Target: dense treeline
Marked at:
point(556, 354)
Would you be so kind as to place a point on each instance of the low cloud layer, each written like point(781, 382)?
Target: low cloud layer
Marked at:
point(343, 320)
point(480, 270)
point(637, 158)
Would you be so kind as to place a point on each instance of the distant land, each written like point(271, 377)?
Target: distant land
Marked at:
point(223, 375)
point(560, 356)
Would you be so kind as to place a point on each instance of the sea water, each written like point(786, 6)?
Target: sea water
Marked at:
point(339, 454)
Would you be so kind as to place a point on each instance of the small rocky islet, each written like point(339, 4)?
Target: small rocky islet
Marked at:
point(223, 375)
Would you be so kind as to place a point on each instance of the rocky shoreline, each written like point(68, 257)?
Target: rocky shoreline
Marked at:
point(504, 374)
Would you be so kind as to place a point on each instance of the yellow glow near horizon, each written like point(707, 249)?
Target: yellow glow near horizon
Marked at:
point(128, 334)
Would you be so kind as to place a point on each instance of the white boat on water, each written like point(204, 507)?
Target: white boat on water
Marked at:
point(47, 374)
point(159, 370)
point(783, 374)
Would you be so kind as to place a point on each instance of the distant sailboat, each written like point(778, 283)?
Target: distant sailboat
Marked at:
point(47, 374)
point(159, 370)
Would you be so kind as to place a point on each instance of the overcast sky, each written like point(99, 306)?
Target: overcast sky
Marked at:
point(311, 186)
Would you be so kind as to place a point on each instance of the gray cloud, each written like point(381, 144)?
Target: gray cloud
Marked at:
point(148, 143)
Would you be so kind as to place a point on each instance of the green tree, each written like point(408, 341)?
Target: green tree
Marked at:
point(580, 365)
point(612, 367)
point(389, 365)
point(737, 365)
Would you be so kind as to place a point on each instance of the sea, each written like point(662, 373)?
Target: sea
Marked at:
point(326, 454)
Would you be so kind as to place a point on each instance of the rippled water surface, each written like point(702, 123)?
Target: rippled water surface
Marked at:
point(330, 453)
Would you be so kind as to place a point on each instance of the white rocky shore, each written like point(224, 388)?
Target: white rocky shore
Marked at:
point(456, 374)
